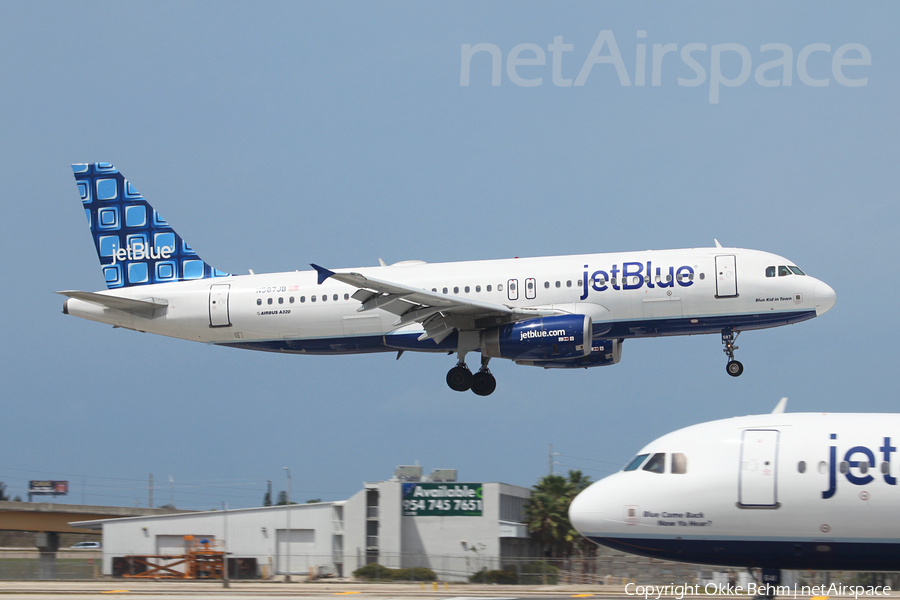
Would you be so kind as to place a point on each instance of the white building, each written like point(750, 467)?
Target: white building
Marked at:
point(453, 528)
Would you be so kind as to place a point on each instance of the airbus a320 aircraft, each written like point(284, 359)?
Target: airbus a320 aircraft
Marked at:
point(551, 312)
point(778, 491)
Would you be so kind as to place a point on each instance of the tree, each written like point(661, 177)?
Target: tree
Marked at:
point(282, 499)
point(267, 499)
point(547, 512)
point(3, 496)
point(314, 501)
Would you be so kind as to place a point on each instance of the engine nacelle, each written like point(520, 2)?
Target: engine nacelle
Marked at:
point(544, 338)
point(603, 353)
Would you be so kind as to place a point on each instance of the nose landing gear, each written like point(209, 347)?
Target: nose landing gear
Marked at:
point(733, 367)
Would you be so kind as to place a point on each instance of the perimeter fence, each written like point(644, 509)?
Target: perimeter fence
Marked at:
point(609, 568)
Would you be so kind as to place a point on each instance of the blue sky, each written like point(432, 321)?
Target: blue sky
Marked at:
point(278, 134)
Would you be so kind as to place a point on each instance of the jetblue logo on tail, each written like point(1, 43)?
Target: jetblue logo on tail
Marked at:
point(135, 245)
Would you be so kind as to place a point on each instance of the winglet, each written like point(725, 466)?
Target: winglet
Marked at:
point(322, 271)
point(779, 408)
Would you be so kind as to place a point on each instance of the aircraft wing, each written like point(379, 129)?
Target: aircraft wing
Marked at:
point(438, 313)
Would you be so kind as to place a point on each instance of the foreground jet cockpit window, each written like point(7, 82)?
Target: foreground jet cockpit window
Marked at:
point(679, 463)
point(636, 462)
point(782, 271)
point(657, 463)
point(770, 271)
point(796, 270)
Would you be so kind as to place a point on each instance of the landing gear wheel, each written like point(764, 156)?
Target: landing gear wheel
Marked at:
point(459, 378)
point(734, 368)
point(483, 383)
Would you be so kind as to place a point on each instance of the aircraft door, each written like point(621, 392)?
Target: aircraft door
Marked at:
point(512, 289)
point(758, 478)
point(530, 288)
point(726, 277)
point(218, 305)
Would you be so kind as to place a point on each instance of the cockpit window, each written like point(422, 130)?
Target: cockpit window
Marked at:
point(770, 271)
point(636, 462)
point(782, 271)
point(796, 270)
point(657, 463)
point(679, 463)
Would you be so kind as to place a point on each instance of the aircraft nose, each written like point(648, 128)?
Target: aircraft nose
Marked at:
point(586, 511)
point(825, 297)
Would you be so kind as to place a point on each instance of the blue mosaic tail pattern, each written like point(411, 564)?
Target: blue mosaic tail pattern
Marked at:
point(136, 246)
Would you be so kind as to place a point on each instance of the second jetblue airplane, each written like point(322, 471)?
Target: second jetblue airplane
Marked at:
point(551, 312)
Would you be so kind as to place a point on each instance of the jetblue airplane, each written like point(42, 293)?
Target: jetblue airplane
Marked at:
point(779, 491)
point(551, 312)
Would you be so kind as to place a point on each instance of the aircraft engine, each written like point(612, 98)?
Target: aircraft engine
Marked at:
point(544, 338)
point(603, 353)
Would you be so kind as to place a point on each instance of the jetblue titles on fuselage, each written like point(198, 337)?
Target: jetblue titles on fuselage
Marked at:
point(634, 276)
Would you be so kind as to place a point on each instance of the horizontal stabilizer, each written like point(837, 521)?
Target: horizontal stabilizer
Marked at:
point(139, 307)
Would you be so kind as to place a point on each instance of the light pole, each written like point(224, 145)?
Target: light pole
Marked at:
point(288, 542)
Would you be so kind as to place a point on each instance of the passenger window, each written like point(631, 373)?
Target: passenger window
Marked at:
point(657, 463)
point(281, 301)
point(346, 296)
point(302, 299)
point(530, 285)
point(312, 298)
point(477, 288)
point(456, 290)
point(635, 462)
point(885, 468)
point(488, 288)
point(801, 466)
point(863, 467)
point(702, 276)
point(434, 290)
point(324, 297)
point(269, 301)
point(445, 290)
point(546, 284)
point(770, 271)
point(259, 301)
point(512, 287)
point(782, 271)
point(579, 283)
point(335, 297)
point(558, 284)
point(467, 289)
point(679, 463)
point(291, 299)
point(569, 283)
point(844, 467)
point(499, 287)
point(669, 277)
point(823, 467)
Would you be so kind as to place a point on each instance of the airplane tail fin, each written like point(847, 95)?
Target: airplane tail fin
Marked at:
point(135, 245)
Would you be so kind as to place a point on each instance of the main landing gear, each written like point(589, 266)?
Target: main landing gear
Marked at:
point(461, 379)
point(733, 367)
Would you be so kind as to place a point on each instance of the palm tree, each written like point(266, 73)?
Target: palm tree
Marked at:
point(547, 512)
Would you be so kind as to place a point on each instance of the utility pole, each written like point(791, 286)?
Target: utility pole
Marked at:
point(288, 542)
point(225, 545)
point(550, 462)
point(150, 492)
